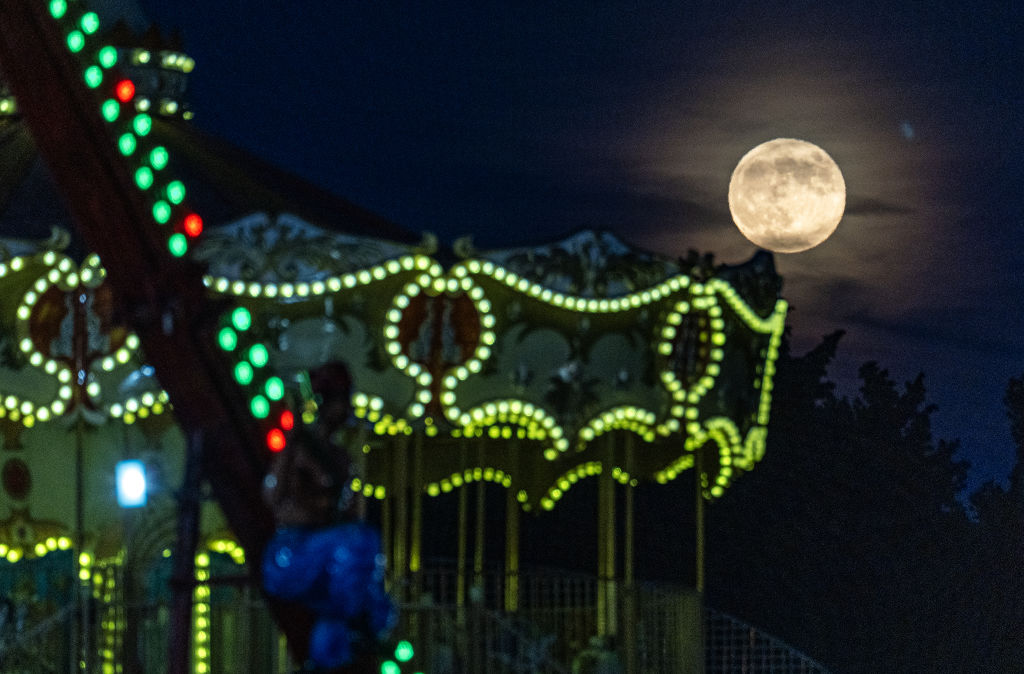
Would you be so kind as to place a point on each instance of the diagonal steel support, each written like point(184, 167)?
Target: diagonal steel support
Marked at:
point(162, 298)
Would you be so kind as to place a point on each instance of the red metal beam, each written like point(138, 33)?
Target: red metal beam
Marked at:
point(161, 297)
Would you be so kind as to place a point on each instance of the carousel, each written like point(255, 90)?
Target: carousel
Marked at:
point(500, 378)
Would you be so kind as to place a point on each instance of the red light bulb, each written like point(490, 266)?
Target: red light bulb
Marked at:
point(193, 225)
point(125, 90)
point(287, 420)
point(276, 440)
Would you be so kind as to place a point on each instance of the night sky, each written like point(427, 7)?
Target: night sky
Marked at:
point(523, 122)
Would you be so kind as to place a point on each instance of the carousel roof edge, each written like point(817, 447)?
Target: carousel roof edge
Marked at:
point(598, 263)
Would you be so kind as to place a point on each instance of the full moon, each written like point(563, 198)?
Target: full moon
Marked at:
point(787, 195)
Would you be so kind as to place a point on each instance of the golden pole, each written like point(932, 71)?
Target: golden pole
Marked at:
point(602, 590)
point(511, 551)
point(699, 516)
point(385, 537)
point(401, 531)
point(460, 587)
point(610, 573)
point(478, 547)
point(415, 551)
point(360, 462)
point(606, 623)
point(629, 606)
point(84, 587)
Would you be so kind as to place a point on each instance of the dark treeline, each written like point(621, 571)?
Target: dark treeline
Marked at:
point(851, 541)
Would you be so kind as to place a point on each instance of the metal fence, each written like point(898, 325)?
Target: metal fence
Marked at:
point(735, 647)
point(660, 629)
point(36, 644)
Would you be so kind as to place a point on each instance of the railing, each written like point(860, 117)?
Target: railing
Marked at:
point(735, 647)
point(35, 645)
point(660, 629)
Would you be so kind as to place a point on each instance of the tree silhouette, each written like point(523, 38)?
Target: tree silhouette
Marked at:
point(997, 576)
point(850, 540)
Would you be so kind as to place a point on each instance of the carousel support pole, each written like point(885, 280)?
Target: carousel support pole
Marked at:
point(462, 639)
point(401, 531)
point(629, 603)
point(385, 537)
point(80, 662)
point(511, 551)
point(360, 465)
point(606, 589)
point(602, 590)
point(698, 629)
point(478, 543)
point(184, 572)
point(698, 489)
point(460, 591)
point(416, 536)
point(478, 594)
point(416, 528)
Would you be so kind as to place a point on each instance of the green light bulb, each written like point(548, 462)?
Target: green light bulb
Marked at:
point(76, 41)
point(110, 109)
point(158, 157)
point(142, 124)
point(390, 667)
point(176, 192)
point(161, 212)
point(258, 355)
point(243, 373)
point(177, 244)
point(107, 56)
point(274, 388)
point(90, 23)
point(126, 144)
point(228, 339)
point(93, 76)
point(58, 8)
point(144, 177)
point(403, 651)
point(241, 318)
point(260, 407)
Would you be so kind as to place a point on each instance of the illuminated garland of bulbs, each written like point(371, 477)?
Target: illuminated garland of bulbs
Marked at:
point(732, 452)
point(468, 476)
point(201, 607)
point(201, 615)
point(625, 417)
point(112, 620)
point(64, 274)
point(14, 554)
point(331, 284)
point(572, 302)
point(574, 475)
point(533, 420)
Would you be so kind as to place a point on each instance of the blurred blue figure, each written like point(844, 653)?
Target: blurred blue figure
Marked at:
point(318, 556)
point(338, 572)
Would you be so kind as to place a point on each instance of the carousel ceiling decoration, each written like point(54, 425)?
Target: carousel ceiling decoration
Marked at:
point(63, 349)
point(553, 347)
